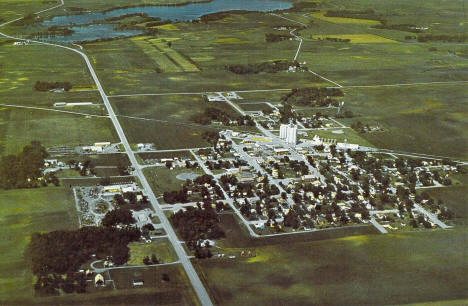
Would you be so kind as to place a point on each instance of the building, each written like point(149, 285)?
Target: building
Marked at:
point(288, 133)
point(283, 129)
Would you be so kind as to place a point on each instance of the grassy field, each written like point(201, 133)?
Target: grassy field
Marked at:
point(415, 119)
point(169, 125)
point(162, 248)
point(23, 212)
point(19, 127)
point(162, 179)
point(376, 269)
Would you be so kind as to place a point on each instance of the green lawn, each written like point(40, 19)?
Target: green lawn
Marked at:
point(23, 212)
point(162, 248)
point(163, 179)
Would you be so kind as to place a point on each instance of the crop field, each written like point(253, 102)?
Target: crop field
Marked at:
point(374, 269)
point(208, 47)
point(165, 57)
point(20, 127)
point(162, 179)
point(165, 120)
point(320, 15)
point(17, 76)
point(415, 119)
point(23, 212)
point(162, 248)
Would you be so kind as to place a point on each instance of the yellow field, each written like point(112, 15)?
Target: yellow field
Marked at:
point(83, 87)
point(168, 27)
point(359, 38)
point(229, 40)
point(321, 16)
point(168, 59)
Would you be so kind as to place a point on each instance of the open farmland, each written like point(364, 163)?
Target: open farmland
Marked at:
point(166, 120)
point(20, 127)
point(22, 213)
point(415, 119)
point(345, 271)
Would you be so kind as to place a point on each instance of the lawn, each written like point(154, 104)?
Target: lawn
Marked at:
point(374, 269)
point(162, 248)
point(162, 179)
point(23, 212)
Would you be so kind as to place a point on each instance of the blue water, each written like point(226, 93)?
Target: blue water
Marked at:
point(93, 32)
point(174, 13)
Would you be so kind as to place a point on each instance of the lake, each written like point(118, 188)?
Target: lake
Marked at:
point(174, 13)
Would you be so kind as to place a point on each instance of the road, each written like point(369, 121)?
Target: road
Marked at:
point(184, 259)
point(379, 227)
point(431, 216)
point(288, 89)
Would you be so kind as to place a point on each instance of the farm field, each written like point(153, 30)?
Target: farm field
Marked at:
point(415, 119)
point(22, 213)
point(165, 120)
point(20, 127)
point(345, 271)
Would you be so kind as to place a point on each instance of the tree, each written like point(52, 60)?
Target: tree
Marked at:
point(117, 216)
point(146, 260)
point(154, 259)
point(120, 254)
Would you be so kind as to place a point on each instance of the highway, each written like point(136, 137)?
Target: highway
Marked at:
point(183, 258)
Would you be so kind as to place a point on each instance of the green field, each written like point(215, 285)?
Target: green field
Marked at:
point(416, 119)
point(375, 269)
point(169, 125)
point(162, 248)
point(162, 179)
point(23, 212)
point(20, 127)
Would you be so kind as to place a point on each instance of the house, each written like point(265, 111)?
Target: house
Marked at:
point(137, 282)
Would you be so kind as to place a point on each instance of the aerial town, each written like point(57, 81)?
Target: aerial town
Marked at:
point(233, 152)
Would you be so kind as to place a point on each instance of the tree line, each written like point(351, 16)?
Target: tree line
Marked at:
point(47, 86)
point(268, 67)
point(23, 170)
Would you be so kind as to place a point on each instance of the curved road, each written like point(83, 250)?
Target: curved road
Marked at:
point(184, 259)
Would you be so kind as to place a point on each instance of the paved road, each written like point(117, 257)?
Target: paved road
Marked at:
point(226, 196)
point(431, 216)
point(184, 259)
point(288, 89)
point(379, 227)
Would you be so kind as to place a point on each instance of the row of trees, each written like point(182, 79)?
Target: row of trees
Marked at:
point(47, 86)
point(268, 67)
point(312, 96)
